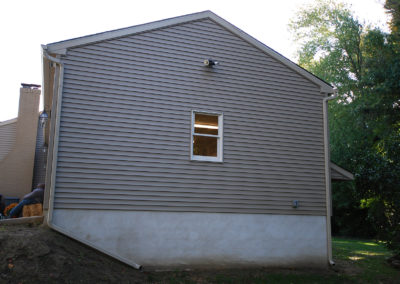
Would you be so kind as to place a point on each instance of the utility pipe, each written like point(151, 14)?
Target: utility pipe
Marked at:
point(54, 164)
point(328, 175)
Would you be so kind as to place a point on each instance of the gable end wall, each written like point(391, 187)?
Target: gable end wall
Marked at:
point(124, 137)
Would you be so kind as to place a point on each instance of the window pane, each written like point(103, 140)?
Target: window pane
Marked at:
point(206, 124)
point(205, 146)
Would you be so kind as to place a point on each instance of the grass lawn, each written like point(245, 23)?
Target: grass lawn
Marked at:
point(357, 261)
point(367, 258)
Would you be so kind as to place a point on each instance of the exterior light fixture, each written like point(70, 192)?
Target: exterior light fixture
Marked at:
point(210, 62)
point(43, 118)
point(295, 204)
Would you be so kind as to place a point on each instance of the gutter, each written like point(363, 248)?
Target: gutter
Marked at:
point(328, 175)
point(49, 218)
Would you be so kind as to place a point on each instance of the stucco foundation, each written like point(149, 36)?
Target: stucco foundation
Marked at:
point(160, 239)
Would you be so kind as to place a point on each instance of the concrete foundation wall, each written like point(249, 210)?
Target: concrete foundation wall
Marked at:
point(168, 239)
point(16, 168)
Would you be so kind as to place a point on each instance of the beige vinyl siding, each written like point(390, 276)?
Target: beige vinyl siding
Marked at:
point(8, 132)
point(124, 139)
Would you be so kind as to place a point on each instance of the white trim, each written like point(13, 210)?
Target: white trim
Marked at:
point(55, 115)
point(62, 46)
point(219, 137)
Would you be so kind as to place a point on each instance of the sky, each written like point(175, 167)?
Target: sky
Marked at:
point(25, 25)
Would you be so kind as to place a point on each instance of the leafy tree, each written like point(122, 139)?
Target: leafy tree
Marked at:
point(364, 64)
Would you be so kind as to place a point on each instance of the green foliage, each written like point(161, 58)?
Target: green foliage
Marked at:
point(364, 64)
point(393, 8)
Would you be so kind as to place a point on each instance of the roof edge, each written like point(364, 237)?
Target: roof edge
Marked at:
point(325, 87)
point(347, 175)
point(8, 121)
point(62, 46)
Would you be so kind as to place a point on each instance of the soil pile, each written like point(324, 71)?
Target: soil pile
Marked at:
point(37, 254)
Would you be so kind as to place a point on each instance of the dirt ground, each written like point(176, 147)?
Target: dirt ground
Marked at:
point(37, 254)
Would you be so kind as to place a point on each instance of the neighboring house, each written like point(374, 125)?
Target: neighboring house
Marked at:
point(160, 157)
point(17, 146)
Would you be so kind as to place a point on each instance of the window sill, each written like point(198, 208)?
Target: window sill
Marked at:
point(195, 159)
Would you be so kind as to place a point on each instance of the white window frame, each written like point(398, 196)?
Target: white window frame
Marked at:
point(219, 157)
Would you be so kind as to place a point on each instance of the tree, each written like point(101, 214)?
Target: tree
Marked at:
point(364, 64)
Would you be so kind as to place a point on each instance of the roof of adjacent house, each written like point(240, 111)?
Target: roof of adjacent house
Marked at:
point(62, 46)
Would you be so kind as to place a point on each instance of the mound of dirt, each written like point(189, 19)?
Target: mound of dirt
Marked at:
point(37, 254)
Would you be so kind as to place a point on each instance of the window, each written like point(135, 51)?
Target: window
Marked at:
point(206, 141)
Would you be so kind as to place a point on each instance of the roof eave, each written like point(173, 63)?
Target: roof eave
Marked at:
point(62, 46)
point(346, 174)
point(325, 87)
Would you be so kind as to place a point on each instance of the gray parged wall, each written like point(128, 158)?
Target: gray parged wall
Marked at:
point(126, 120)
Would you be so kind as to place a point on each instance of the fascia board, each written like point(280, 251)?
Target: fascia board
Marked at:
point(343, 172)
point(62, 46)
point(325, 87)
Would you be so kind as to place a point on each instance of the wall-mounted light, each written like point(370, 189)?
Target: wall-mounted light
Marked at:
point(295, 204)
point(210, 62)
point(43, 118)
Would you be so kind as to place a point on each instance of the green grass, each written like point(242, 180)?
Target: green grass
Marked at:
point(368, 257)
point(358, 261)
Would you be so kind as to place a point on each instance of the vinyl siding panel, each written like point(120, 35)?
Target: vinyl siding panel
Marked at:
point(8, 134)
point(124, 140)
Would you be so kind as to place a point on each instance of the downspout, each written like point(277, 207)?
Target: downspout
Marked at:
point(54, 164)
point(328, 175)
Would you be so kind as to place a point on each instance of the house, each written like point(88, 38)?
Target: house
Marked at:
point(186, 142)
point(17, 145)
